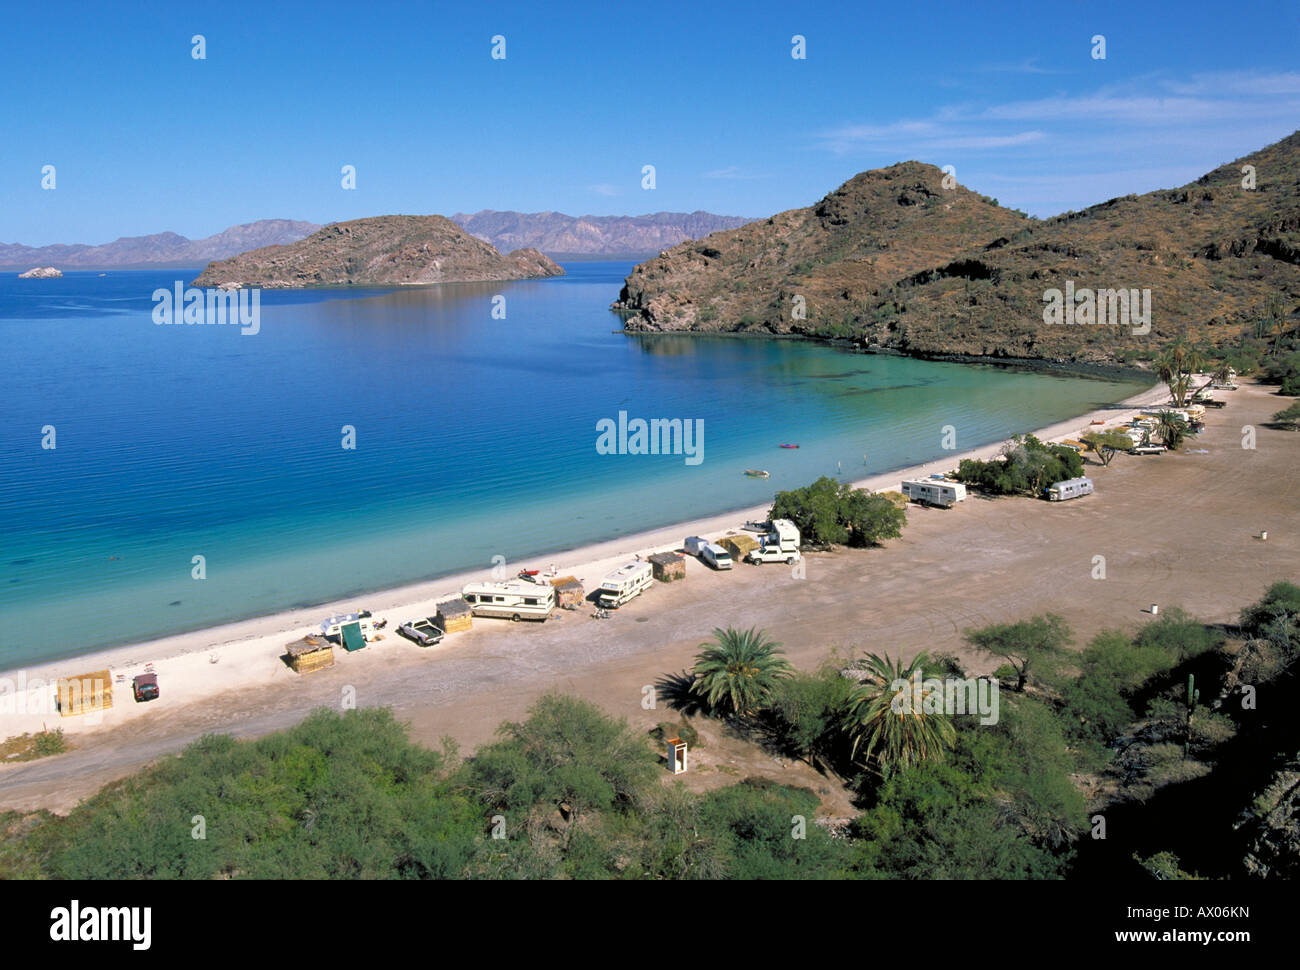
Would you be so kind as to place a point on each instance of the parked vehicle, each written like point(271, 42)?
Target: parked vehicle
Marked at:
point(780, 544)
point(1070, 488)
point(716, 556)
point(624, 584)
point(145, 688)
point(424, 633)
point(332, 626)
point(942, 494)
point(515, 600)
point(695, 545)
point(1147, 450)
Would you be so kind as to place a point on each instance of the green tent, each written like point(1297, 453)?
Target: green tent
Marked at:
point(350, 633)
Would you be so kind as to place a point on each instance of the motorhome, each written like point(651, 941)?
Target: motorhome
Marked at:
point(1070, 488)
point(780, 544)
point(942, 494)
point(332, 626)
point(716, 556)
point(516, 600)
point(624, 584)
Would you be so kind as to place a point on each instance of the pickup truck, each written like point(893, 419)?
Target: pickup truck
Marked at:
point(424, 632)
point(773, 553)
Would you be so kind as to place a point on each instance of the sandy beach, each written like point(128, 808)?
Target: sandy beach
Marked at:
point(1174, 528)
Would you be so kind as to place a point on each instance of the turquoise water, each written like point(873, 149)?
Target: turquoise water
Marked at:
point(475, 437)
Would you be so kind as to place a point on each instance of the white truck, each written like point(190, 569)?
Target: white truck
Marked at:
point(624, 583)
point(781, 544)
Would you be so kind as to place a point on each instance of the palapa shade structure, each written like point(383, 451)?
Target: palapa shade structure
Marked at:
point(310, 653)
point(738, 545)
point(85, 692)
point(568, 591)
point(454, 616)
point(667, 566)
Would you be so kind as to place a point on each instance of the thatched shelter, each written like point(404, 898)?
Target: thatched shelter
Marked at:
point(738, 545)
point(668, 566)
point(454, 616)
point(310, 653)
point(86, 692)
point(569, 593)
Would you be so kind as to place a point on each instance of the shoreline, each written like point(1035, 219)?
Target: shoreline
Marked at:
point(243, 654)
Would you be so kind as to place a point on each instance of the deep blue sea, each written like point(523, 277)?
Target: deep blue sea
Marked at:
point(474, 437)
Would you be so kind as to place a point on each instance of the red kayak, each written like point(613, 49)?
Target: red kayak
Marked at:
point(529, 572)
point(789, 446)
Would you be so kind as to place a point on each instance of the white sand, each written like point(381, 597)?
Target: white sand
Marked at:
point(247, 654)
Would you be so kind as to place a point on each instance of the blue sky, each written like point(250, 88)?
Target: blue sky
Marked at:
point(144, 138)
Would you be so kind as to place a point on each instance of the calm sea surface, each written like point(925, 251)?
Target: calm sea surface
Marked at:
point(474, 437)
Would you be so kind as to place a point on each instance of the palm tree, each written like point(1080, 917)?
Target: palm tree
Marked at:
point(1171, 428)
point(738, 671)
point(889, 721)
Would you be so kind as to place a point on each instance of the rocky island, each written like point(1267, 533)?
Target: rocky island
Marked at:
point(903, 258)
point(378, 251)
point(41, 273)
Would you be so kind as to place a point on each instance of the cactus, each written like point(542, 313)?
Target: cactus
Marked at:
point(1193, 698)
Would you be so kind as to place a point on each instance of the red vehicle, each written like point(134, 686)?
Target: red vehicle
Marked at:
point(145, 688)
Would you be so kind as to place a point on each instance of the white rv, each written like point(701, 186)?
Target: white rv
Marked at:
point(332, 626)
point(781, 544)
point(695, 545)
point(514, 600)
point(938, 492)
point(1070, 488)
point(624, 583)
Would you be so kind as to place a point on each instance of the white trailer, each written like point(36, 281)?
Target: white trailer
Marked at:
point(695, 545)
point(624, 584)
point(332, 626)
point(937, 492)
point(514, 600)
point(1070, 488)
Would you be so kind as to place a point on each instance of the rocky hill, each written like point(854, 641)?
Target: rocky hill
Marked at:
point(160, 249)
point(893, 259)
point(383, 250)
point(557, 234)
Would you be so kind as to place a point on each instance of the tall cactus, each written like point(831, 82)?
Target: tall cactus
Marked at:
point(1193, 698)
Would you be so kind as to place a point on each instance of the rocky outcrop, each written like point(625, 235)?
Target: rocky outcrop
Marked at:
point(41, 273)
point(379, 251)
point(557, 234)
point(1274, 822)
point(895, 259)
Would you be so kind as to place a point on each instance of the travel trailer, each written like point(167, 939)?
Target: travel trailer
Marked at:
point(332, 626)
point(716, 556)
point(515, 600)
point(695, 545)
point(624, 583)
point(780, 544)
point(942, 494)
point(1068, 489)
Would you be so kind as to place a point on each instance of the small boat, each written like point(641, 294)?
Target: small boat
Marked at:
point(528, 572)
point(789, 446)
point(1097, 422)
point(756, 473)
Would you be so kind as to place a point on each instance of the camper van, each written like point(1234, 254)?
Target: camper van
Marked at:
point(624, 584)
point(332, 626)
point(942, 494)
point(1068, 489)
point(716, 556)
point(695, 545)
point(780, 544)
point(515, 600)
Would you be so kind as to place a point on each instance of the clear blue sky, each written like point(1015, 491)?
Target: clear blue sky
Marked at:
point(145, 138)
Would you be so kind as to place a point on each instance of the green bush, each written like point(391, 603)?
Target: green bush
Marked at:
point(829, 512)
point(1028, 466)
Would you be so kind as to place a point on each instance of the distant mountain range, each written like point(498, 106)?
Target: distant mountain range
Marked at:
point(554, 233)
point(159, 249)
point(901, 258)
point(559, 235)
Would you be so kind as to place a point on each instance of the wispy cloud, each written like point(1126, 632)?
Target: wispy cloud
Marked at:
point(604, 188)
point(1029, 65)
